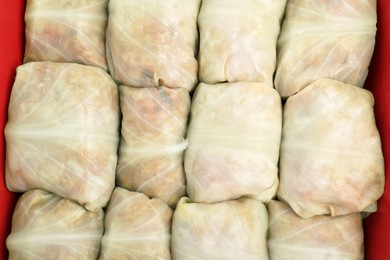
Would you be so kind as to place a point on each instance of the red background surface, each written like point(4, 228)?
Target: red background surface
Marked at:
point(377, 226)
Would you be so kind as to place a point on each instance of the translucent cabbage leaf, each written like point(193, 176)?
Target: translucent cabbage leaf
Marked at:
point(238, 40)
point(154, 123)
point(136, 227)
point(318, 237)
point(233, 142)
point(331, 160)
point(153, 43)
point(45, 227)
point(235, 229)
point(62, 132)
point(66, 31)
point(332, 39)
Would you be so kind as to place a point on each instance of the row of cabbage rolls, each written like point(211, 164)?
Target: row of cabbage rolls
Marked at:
point(188, 129)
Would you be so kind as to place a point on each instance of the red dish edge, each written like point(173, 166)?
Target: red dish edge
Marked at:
point(11, 55)
point(377, 225)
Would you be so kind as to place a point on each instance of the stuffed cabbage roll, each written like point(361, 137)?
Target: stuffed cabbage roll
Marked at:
point(238, 40)
point(62, 132)
point(66, 31)
point(319, 237)
point(331, 160)
point(153, 43)
point(233, 142)
point(136, 227)
point(235, 229)
point(154, 123)
point(45, 226)
point(325, 39)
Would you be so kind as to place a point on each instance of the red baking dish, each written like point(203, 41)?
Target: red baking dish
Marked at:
point(11, 55)
point(377, 225)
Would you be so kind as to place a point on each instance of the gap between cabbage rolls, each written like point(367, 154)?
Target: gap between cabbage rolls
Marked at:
point(318, 237)
point(153, 43)
point(233, 142)
point(235, 229)
point(46, 226)
point(66, 31)
point(154, 123)
point(136, 227)
point(331, 39)
point(238, 40)
point(331, 160)
point(62, 132)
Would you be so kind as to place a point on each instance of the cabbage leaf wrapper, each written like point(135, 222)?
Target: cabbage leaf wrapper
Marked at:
point(136, 227)
point(154, 123)
point(62, 132)
point(153, 43)
point(46, 226)
point(238, 40)
point(331, 160)
point(66, 31)
point(318, 237)
point(325, 39)
point(234, 229)
point(233, 142)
